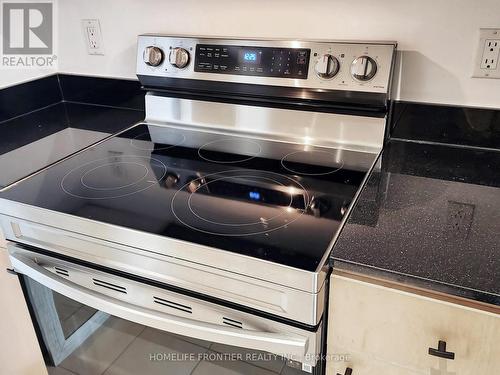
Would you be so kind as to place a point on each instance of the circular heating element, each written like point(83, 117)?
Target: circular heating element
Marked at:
point(311, 163)
point(229, 150)
point(228, 204)
point(170, 138)
point(95, 179)
point(113, 177)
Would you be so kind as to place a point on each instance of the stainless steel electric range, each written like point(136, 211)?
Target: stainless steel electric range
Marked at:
point(214, 218)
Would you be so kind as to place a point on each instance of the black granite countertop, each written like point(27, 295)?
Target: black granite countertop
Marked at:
point(33, 141)
point(429, 216)
point(46, 120)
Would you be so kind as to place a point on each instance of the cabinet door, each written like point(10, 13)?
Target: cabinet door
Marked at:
point(492, 351)
point(373, 322)
point(19, 350)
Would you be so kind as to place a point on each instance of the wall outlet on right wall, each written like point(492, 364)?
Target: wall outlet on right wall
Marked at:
point(486, 64)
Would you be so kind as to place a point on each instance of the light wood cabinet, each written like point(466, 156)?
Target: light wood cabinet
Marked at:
point(20, 353)
point(378, 326)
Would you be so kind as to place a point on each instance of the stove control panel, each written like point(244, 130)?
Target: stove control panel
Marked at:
point(348, 66)
point(252, 60)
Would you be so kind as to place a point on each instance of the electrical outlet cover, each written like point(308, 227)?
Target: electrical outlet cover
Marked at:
point(93, 37)
point(486, 64)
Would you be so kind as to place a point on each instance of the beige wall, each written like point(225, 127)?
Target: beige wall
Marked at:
point(437, 37)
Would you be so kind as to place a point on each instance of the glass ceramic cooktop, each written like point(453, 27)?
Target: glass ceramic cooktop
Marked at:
point(277, 201)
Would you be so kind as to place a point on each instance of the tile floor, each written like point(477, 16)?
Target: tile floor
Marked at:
point(121, 347)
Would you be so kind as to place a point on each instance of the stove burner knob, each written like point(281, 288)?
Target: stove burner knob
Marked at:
point(363, 68)
point(327, 66)
point(344, 208)
point(319, 206)
point(171, 180)
point(195, 184)
point(179, 57)
point(153, 56)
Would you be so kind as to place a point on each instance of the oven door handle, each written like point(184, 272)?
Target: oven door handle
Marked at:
point(278, 343)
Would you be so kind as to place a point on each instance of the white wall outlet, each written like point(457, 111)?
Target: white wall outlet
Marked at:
point(486, 64)
point(93, 37)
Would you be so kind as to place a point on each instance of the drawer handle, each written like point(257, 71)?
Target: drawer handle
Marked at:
point(441, 351)
point(348, 371)
point(11, 271)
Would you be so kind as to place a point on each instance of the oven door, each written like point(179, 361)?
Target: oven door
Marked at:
point(94, 322)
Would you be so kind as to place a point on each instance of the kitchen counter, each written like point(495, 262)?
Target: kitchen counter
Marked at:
point(429, 216)
point(49, 119)
point(38, 139)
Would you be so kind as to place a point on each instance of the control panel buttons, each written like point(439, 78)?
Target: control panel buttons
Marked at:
point(179, 57)
point(327, 66)
point(153, 56)
point(252, 60)
point(315, 65)
point(363, 68)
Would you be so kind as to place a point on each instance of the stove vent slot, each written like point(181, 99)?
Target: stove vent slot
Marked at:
point(61, 271)
point(111, 286)
point(232, 323)
point(173, 305)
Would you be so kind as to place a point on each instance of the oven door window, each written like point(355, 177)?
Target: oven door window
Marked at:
point(71, 315)
point(78, 339)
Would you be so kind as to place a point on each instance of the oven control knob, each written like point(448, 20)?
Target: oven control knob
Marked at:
point(327, 66)
point(319, 206)
point(195, 183)
point(171, 180)
point(179, 57)
point(363, 68)
point(153, 56)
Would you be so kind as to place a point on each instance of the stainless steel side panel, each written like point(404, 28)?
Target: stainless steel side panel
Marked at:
point(280, 290)
point(166, 310)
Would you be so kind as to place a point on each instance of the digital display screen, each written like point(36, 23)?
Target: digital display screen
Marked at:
point(253, 60)
point(254, 195)
point(250, 56)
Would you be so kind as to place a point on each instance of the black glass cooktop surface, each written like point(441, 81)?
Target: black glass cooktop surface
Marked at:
point(273, 200)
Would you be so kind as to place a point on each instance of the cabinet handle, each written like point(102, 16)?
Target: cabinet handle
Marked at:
point(441, 351)
point(11, 271)
point(348, 371)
